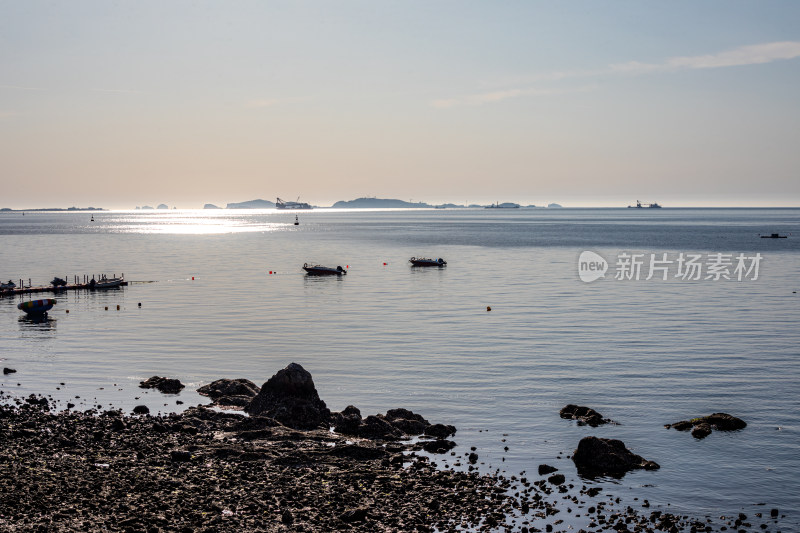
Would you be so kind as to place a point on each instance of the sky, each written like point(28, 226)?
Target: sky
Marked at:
point(118, 104)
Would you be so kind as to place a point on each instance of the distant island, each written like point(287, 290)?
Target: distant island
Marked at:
point(211, 206)
point(56, 209)
point(252, 204)
point(554, 206)
point(378, 202)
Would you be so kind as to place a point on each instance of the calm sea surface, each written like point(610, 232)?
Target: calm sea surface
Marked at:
point(642, 352)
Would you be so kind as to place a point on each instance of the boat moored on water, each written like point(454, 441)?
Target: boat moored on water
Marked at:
point(37, 307)
point(8, 286)
point(106, 283)
point(774, 236)
point(424, 262)
point(282, 204)
point(319, 270)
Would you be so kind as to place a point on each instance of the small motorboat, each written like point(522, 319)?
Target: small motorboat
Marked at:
point(425, 262)
point(774, 236)
point(105, 283)
point(37, 307)
point(319, 270)
point(296, 221)
point(8, 286)
point(58, 282)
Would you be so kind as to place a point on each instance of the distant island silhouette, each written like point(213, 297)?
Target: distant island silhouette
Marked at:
point(6, 209)
point(378, 202)
point(252, 204)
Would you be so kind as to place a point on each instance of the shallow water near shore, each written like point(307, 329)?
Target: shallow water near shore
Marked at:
point(642, 352)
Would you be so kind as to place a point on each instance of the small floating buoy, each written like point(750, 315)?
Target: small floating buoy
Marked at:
point(347, 266)
point(67, 311)
point(488, 308)
point(192, 278)
point(270, 271)
point(384, 264)
point(117, 307)
point(140, 304)
point(106, 308)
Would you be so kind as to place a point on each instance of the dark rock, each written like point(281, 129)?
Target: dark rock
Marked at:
point(701, 431)
point(557, 479)
point(725, 422)
point(701, 427)
point(472, 458)
point(7, 370)
point(291, 398)
point(354, 515)
point(233, 402)
point(355, 451)
point(251, 423)
point(374, 427)
point(406, 421)
point(596, 456)
point(228, 387)
point(440, 431)
point(347, 422)
point(546, 469)
point(773, 513)
point(584, 415)
point(287, 517)
point(141, 410)
point(165, 385)
point(180, 455)
point(438, 446)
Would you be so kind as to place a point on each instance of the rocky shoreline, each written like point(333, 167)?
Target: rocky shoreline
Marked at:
point(282, 468)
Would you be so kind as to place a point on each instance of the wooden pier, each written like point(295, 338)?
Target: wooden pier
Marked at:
point(77, 285)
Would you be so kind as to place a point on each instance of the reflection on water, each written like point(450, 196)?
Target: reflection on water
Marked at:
point(37, 322)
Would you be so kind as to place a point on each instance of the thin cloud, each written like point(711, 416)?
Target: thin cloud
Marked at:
point(498, 96)
point(756, 54)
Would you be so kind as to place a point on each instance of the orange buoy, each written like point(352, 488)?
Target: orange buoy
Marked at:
point(488, 308)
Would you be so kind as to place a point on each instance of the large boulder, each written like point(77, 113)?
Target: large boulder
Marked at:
point(701, 427)
point(291, 398)
point(595, 456)
point(583, 415)
point(230, 393)
point(229, 387)
point(163, 384)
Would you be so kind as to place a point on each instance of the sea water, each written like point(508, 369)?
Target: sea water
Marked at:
point(643, 352)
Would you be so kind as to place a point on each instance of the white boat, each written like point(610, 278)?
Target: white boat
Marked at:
point(106, 283)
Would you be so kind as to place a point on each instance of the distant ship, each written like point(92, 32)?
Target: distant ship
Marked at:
point(639, 205)
point(280, 204)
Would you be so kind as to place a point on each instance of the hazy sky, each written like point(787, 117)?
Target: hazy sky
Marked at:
point(124, 103)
